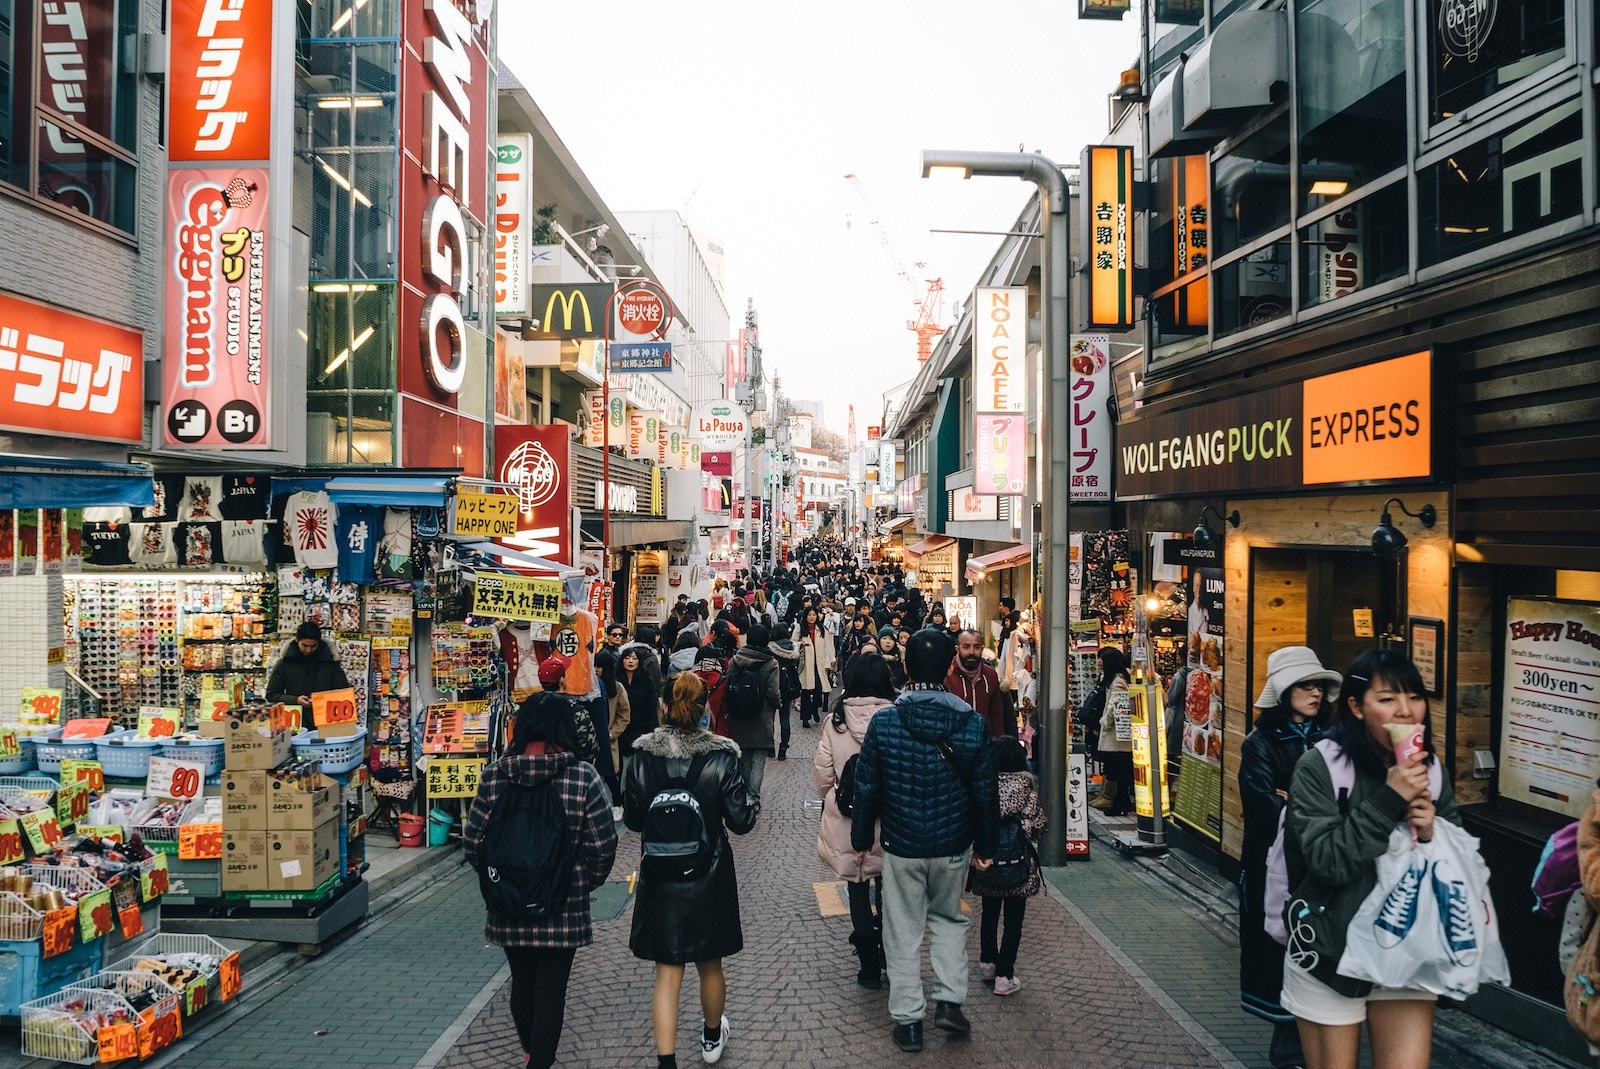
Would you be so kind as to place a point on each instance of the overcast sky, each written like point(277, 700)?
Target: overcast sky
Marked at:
point(746, 117)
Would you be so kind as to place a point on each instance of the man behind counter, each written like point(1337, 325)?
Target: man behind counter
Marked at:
point(307, 667)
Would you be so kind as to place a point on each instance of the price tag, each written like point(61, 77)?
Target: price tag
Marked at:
point(159, 723)
point(10, 746)
point(199, 842)
point(131, 921)
point(195, 997)
point(94, 915)
point(92, 728)
point(114, 832)
point(153, 884)
point(160, 1033)
point(214, 704)
point(41, 707)
point(172, 778)
point(60, 925)
point(118, 1042)
point(229, 978)
point(42, 829)
point(89, 772)
point(72, 804)
point(12, 847)
point(334, 707)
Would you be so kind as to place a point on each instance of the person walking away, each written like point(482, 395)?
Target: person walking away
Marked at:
point(307, 666)
point(816, 662)
point(926, 771)
point(753, 678)
point(678, 920)
point(867, 689)
point(1297, 707)
point(1023, 819)
point(685, 651)
point(1115, 755)
point(976, 683)
point(542, 755)
point(788, 656)
point(1331, 851)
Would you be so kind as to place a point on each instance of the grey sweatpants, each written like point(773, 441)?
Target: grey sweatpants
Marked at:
point(918, 893)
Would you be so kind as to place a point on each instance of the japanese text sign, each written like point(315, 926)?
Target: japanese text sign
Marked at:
point(1000, 349)
point(537, 462)
point(1091, 417)
point(484, 515)
point(64, 374)
point(219, 81)
point(72, 804)
point(12, 846)
point(89, 772)
point(94, 915)
point(515, 597)
point(153, 884)
point(1108, 235)
point(457, 778)
point(513, 223)
point(654, 357)
point(60, 930)
point(1001, 448)
point(1191, 238)
point(10, 744)
point(155, 723)
point(42, 829)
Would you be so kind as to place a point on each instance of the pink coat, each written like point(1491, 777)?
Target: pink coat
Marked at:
point(837, 747)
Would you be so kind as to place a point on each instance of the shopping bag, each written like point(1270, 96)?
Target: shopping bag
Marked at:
point(1581, 993)
point(1429, 923)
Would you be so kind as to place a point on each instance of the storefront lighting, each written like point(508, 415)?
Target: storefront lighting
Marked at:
point(349, 13)
point(343, 183)
point(346, 103)
point(1328, 188)
point(1204, 536)
point(344, 287)
point(1386, 540)
point(338, 361)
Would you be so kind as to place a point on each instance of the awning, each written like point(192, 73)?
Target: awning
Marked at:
point(649, 532)
point(1010, 557)
point(928, 545)
point(28, 482)
point(514, 557)
point(891, 526)
point(374, 490)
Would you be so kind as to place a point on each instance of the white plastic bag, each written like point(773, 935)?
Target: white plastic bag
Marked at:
point(1429, 923)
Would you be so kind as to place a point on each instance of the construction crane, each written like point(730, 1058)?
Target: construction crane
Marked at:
point(928, 301)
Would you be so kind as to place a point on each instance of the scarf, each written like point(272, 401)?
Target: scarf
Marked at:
point(971, 677)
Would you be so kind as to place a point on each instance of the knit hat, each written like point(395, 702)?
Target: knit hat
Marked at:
point(552, 668)
point(1296, 664)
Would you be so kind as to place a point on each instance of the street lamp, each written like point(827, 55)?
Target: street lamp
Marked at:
point(1055, 454)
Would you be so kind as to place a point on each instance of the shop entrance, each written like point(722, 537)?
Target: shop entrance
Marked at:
point(1337, 601)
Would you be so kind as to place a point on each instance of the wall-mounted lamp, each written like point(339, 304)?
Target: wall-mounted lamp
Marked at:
point(1204, 536)
point(1386, 540)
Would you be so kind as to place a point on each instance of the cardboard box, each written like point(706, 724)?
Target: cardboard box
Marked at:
point(244, 861)
point(302, 859)
point(290, 808)
point(244, 800)
point(249, 748)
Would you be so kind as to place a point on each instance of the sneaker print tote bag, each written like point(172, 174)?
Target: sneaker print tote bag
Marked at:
point(1429, 923)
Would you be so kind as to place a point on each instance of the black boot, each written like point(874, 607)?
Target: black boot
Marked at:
point(870, 975)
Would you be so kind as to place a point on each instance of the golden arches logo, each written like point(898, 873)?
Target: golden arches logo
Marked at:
point(568, 299)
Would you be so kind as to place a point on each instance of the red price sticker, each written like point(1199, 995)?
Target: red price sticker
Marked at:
point(60, 925)
point(199, 842)
point(158, 723)
point(171, 778)
point(334, 707)
point(131, 921)
point(230, 979)
point(41, 706)
point(118, 1042)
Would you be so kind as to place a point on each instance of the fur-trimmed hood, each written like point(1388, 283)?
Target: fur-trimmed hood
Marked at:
point(675, 743)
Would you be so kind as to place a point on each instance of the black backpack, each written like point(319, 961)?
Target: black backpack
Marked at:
point(844, 795)
point(745, 693)
point(675, 840)
point(525, 862)
point(1013, 860)
point(788, 681)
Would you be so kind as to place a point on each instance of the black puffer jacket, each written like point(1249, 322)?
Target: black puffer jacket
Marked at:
point(1266, 765)
point(902, 778)
point(297, 675)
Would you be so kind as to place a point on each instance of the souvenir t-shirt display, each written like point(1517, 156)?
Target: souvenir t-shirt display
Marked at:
point(246, 497)
point(151, 543)
point(309, 521)
point(105, 545)
point(573, 638)
point(360, 530)
point(394, 554)
point(202, 499)
point(243, 541)
point(197, 543)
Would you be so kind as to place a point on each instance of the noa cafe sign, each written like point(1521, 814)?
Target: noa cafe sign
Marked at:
point(720, 425)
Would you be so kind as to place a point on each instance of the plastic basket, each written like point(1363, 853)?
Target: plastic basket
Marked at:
point(65, 1026)
point(336, 755)
point(126, 756)
point(166, 943)
point(50, 751)
point(208, 750)
point(80, 882)
point(25, 760)
point(163, 838)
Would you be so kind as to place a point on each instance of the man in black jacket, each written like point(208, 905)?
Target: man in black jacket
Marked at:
point(926, 771)
point(308, 667)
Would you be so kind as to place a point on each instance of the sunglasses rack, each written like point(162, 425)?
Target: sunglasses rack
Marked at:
point(391, 685)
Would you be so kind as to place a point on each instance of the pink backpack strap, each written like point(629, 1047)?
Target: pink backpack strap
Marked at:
point(1342, 771)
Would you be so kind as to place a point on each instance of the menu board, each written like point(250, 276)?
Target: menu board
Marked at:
point(1550, 712)
point(1199, 801)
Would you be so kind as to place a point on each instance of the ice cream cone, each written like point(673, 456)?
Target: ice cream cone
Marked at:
point(1406, 739)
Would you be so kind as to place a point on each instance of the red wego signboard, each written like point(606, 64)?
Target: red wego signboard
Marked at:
point(220, 81)
point(536, 462)
point(444, 191)
point(63, 374)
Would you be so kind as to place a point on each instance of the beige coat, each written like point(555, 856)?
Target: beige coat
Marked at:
point(621, 716)
point(837, 747)
point(1108, 731)
point(816, 657)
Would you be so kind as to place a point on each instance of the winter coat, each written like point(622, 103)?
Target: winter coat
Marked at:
point(296, 675)
point(838, 745)
point(927, 808)
point(587, 804)
point(1019, 797)
point(1109, 743)
point(816, 658)
point(1266, 766)
point(644, 707)
point(854, 640)
point(621, 716)
point(649, 661)
point(983, 694)
point(693, 920)
point(1332, 860)
point(755, 732)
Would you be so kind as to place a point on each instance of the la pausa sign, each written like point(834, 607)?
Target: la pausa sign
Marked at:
point(720, 425)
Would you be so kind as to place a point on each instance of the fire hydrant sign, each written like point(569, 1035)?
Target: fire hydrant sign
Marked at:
point(484, 515)
point(1550, 722)
point(516, 597)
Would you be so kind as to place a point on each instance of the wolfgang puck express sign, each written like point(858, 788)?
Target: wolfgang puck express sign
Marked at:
point(1368, 424)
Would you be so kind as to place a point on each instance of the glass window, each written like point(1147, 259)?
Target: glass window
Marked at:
point(354, 129)
point(1351, 93)
point(350, 369)
point(16, 36)
point(85, 178)
point(349, 18)
point(1252, 187)
point(1360, 245)
point(1525, 178)
point(1479, 47)
point(1253, 290)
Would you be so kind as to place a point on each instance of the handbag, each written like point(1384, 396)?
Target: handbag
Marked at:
point(1581, 992)
point(1429, 922)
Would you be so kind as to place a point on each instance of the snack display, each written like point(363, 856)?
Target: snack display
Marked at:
point(66, 1026)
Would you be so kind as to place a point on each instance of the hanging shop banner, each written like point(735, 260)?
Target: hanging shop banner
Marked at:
point(644, 433)
point(1339, 258)
point(716, 462)
point(1108, 235)
point(1091, 417)
point(720, 425)
point(1102, 9)
point(216, 392)
point(479, 513)
point(886, 467)
point(1191, 237)
point(454, 777)
point(633, 357)
point(1199, 801)
point(537, 463)
point(219, 81)
point(516, 597)
point(1000, 465)
point(594, 430)
point(513, 223)
point(64, 374)
point(571, 310)
point(1000, 349)
point(1550, 712)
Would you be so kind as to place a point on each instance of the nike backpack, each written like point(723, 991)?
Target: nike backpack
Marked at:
point(676, 841)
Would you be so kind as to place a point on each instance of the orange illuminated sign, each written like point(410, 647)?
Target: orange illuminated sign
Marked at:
point(219, 81)
point(1372, 422)
point(1108, 235)
point(63, 374)
point(1191, 238)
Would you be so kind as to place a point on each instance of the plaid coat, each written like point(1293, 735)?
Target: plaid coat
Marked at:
point(594, 836)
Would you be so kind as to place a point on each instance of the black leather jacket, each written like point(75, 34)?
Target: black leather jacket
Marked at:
point(1266, 765)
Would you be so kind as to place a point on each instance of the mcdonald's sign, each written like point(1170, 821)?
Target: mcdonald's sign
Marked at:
point(571, 312)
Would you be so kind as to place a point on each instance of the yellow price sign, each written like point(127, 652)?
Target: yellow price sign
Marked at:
point(41, 707)
point(517, 597)
point(90, 772)
point(454, 778)
point(159, 723)
point(10, 744)
point(72, 804)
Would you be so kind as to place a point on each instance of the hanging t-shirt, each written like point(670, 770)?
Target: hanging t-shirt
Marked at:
point(359, 530)
point(573, 638)
point(169, 490)
point(151, 543)
point(202, 499)
point(198, 543)
point(427, 523)
point(527, 677)
point(394, 554)
point(105, 545)
point(243, 541)
point(246, 497)
point(310, 518)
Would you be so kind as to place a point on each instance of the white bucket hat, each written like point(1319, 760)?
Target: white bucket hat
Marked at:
point(1296, 664)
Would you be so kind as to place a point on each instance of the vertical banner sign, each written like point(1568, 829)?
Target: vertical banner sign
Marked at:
point(1000, 390)
point(594, 432)
point(220, 315)
point(1339, 254)
point(513, 223)
point(1199, 796)
point(643, 434)
point(1091, 417)
point(1108, 234)
point(886, 466)
point(537, 463)
point(1001, 448)
point(1191, 236)
point(1550, 716)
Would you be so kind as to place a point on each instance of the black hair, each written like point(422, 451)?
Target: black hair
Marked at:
point(1370, 668)
point(646, 633)
point(928, 656)
point(1113, 663)
point(758, 636)
point(1009, 755)
point(1008, 604)
point(544, 717)
point(686, 640)
point(866, 675)
point(309, 629)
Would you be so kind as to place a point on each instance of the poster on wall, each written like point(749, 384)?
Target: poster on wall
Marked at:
point(1550, 712)
point(1199, 801)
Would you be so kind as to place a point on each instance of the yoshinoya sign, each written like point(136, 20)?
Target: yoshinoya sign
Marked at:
point(1368, 424)
point(720, 425)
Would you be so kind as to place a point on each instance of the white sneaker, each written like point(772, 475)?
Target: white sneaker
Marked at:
point(986, 971)
point(710, 1051)
point(1007, 985)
